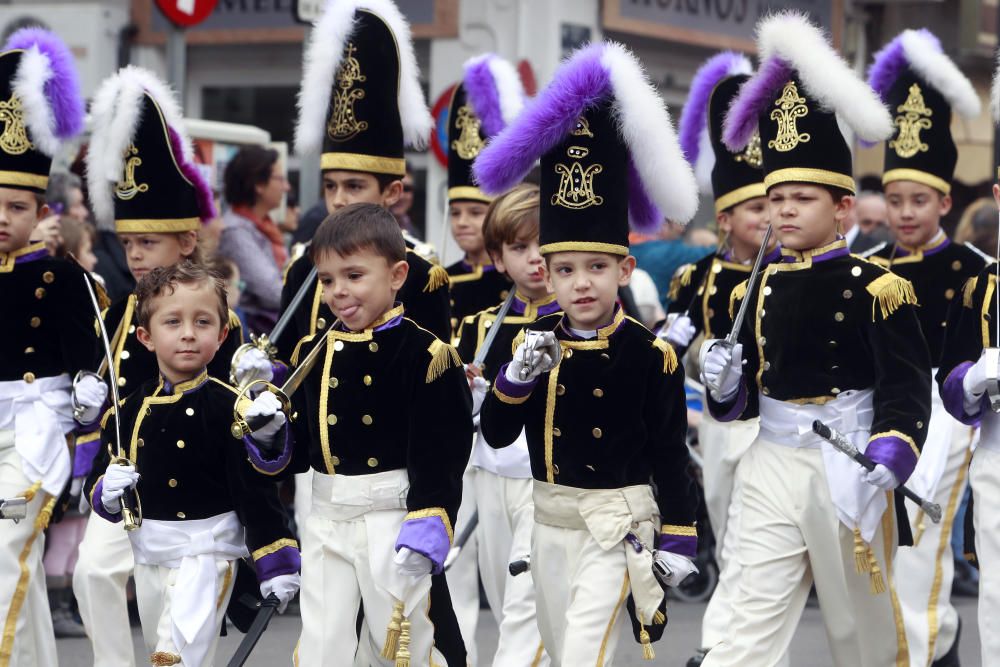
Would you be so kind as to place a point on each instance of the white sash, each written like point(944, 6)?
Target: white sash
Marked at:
point(41, 414)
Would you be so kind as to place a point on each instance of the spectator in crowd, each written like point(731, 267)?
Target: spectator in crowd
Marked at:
point(64, 196)
point(978, 226)
point(401, 209)
point(291, 221)
point(872, 220)
point(77, 240)
point(662, 254)
point(254, 185)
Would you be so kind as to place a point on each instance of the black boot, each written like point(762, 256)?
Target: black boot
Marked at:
point(950, 659)
point(63, 622)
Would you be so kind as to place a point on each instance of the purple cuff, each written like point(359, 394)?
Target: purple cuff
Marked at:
point(953, 395)
point(514, 390)
point(723, 413)
point(98, 506)
point(286, 560)
point(279, 373)
point(265, 465)
point(894, 453)
point(428, 536)
point(83, 457)
point(681, 544)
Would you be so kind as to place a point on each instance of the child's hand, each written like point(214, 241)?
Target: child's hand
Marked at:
point(680, 331)
point(253, 365)
point(267, 406)
point(411, 563)
point(284, 587)
point(471, 372)
point(116, 479)
point(89, 394)
point(722, 370)
point(479, 387)
point(538, 353)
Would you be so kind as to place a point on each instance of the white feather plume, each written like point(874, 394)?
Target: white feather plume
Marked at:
point(648, 131)
point(33, 72)
point(790, 35)
point(322, 59)
point(705, 163)
point(510, 90)
point(925, 57)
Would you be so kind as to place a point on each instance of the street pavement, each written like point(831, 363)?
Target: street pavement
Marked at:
point(809, 648)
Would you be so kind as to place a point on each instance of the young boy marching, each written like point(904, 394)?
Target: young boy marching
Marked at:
point(140, 174)
point(828, 337)
point(384, 421)
point(921, 86)
point(501, 478)
point(48, 337)
point(205, 503)
point(599, 398)
point(701, 304)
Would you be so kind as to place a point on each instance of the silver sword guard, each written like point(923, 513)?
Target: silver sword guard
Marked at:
point(992, 357)
point(260, 342)
point(78, 409)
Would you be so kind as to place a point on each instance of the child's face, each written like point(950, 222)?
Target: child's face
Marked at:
point(467, 225)
point(145, 252)
point(85, 253)
point(341, 188)
point(359, 287)
point(586, 285)
point(525, 266)
point(184, 331)
point(805, 216)
point(915, 211)
point(746, 223)
point(19, 213)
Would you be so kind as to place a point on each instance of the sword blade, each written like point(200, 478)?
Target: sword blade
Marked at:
point(293, 306)
point(109, 360)
point(491, 335)
point(751, 283)
point(268, 608)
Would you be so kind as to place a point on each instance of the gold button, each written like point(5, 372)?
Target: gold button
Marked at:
point(956, 265)
point(560, 390)
point(189, 412)
point(367, 380)
point(29, 350)
point(835, 391)
point(333, 382)
point(48, 277)
point(569, 353)
point(321, 323)
point(711, 313)
point(180, 444)
point(131, 329)
point(487, 324)
point(29, 377)
point(338, 345)
point(762, 341)
point(555, 468)
point(556, 432)
point(597, 433)
point(838, 316)
point(504, 293)
point(832, 344)
point(366, 420)
point(763, 313)
point(36, 322)
point(701, 290)
point(714, 290)
point(765, 391)
point(848, 294)
point(181, 515)
point(126, 354)
point(373, 346)
point(856, 271)
point(122, 381)
point(767, 290)
point(172, 483)
point(40, 293)
point(920, 424)
point(139, 442)
point(331, 419)
point(949, 294)
point(605, 356)
point(598, 392)
point(767, 365)
point(372, 462)
point(335, 460)
point(149, 411)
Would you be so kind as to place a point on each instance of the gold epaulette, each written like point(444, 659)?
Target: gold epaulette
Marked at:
point(443, 357)
point(110, 411)
point(669, 355)
point(891, 292)
point(739, 292)
point(682, 278)
point(298, 250)
point(518, 339)
point(437, 277)
point(969, 290)
point(298, 348)
point(103, 300)
point(234, 321)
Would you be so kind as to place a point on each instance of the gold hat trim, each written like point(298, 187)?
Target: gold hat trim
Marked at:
point(23, 179)
point(375, 164)
point(584, 246)
point(810, 175)
point(917, 176)
point(468, 192)
point(739, 195)
point(153, 226)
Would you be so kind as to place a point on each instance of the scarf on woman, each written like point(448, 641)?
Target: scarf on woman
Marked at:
point(270, 230)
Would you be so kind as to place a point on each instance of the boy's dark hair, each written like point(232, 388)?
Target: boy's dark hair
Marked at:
point(359, 227)
point(837, 193)
point(385, 180)
point(248, 169)
point(163, 281)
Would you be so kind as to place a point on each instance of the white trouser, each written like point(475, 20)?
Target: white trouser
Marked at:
point(984, 475)
point(722, 446)
point(463, 575)
point(27, 638)
point(924, 572)
point(347, 550)
point(790, 538)
point(506, 519)
point(99, 580)
point(303, 500)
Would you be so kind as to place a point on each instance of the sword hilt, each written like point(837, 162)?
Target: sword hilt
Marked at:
point(992, 359)
point(131, 506)
point(241, 425)
point(262, 343)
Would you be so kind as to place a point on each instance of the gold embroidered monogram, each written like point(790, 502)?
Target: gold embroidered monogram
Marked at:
point(469, 143)
point(915, 116)
point(127, 188)
point(752, 154)
point(791, 107)
point(576, 184)
point(14, 138)
point(343, 123)
point(582, 128)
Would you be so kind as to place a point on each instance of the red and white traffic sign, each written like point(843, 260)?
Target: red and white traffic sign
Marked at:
point(186, 13)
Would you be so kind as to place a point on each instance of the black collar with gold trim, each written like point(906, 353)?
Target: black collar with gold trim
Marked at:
point(29, 253)
point(166, 387)
point(815, 255)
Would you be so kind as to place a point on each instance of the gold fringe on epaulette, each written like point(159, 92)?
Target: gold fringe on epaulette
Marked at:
point(403, 653)
point(103, 300)
point(659, 618)
point(968, 290)
point(392, 632)
point(234, 322)
point(443, 357)
point(518, 339)
point(437, 277)
point(876, 581)
point(739, 292)
point(891, 292)
point(682, 278)
point(860, 553)
point(669, 356)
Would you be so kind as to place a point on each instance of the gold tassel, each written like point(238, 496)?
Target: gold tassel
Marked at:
point(659, 618)
point(969, 290)
point(42, 521)
point(393, 631)
point(437, 277)
point(739, 292)
point(647, 646)
point(891, 292)
point(164, 659)
point(29, 495)
point(669, 355)
point(443, 357)
point(403, 654)
point(877, 583)
point(860, 553)
point(682, 278)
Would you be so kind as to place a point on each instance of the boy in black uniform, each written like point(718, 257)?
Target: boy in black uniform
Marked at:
point(48, 336)
point(198, 490)
point(384, 421)
point(921, 86)
point(829, 336)
point(600, 398)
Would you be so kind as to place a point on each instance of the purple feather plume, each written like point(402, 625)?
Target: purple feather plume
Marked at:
point(890, 61)
point(63, 89)
point(579, 84)
point(481, 92)
point(694, 117)
point(206, 203)
point(643, 214)
point(754, 97)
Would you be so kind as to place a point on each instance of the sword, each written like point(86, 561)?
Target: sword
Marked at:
point(491, 335)
point(131, 507)
point(842, 444)
point(267, 608)
point(463, 537)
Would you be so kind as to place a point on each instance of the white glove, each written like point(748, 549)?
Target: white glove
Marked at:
point(89, 393)
point(881, 477)
point(266, 405)
point(538, 353)
point(253, 365)
point(411, 563)
point(974, 385)
point(678, 567)
point(117, 478)
point(284, 587)
point(479, 389)
point(680, 331)
point(715, 360)
point(76, 487)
